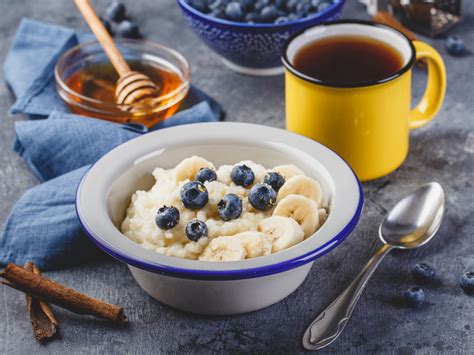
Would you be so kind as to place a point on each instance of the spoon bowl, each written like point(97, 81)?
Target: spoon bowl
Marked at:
point(414, 220)
point(411, 223)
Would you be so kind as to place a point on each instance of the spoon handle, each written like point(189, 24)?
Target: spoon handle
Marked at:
point(331, 322)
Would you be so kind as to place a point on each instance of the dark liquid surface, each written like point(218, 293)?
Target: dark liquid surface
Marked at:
point(348, 59)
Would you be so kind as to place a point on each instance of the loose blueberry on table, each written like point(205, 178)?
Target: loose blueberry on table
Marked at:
point(467, 282)
point(230, 207)
point(414, 296)
point(455, 46)
point(262, 197)
point(423, 273)
point(196, 230)
point(128, 29)
point(115, 12)
point(242, 175)
point(107, 25)
point(194, 195)
point(167, 217)
point(260, 11)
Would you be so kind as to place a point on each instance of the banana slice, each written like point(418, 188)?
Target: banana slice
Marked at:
point(224, 249)
point(283, 232)
point(255, 244)
point(302, 185)
point(302, 210)
point(287, 171)
point(189, 167)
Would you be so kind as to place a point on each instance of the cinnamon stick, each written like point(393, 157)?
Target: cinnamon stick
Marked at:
point(42, 317)
point(52, 292)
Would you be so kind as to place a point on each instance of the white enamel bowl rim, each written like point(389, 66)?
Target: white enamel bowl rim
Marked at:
point(91, 207)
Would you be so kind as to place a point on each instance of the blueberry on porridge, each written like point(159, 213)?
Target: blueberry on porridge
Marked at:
point(233, 212)
point(230, 207)
point(275, 180)
point(206, 174)
point(242, 175)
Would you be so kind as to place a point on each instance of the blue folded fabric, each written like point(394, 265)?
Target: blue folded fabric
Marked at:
point(59, 148)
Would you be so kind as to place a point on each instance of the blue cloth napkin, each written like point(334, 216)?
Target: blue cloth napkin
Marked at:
point(59, 147)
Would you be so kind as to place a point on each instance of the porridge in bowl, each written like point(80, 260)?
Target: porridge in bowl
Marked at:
point(233, 212)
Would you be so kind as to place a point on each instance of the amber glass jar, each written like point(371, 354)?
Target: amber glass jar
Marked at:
point(85, 80)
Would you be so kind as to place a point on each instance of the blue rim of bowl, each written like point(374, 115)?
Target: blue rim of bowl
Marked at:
point(218, 275)
point(330, 10)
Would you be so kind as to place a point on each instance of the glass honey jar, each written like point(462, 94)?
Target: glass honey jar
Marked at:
point(85, 80)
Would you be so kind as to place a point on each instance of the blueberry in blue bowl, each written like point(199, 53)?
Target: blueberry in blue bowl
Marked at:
point(249, 35)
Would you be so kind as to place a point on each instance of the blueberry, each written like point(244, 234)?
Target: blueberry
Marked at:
point(234, 11)
point(274, 179)
point(128, 29)
point(262, 197)
point(107, 25)
point(247, 5)
point(270, 13)
point(281, 19)
point(467, 282)
point(323, 6)
point(230, 207)
point(200, 5)
point(196, 230)
point(115, 12)
point(455, 46)
point(291, 5)
point(206, 174)
point(423, 273)
point(414, 296)
point(242, 175)
point(253, 17)
point(280, 4)
point(219, 13)
point(303, 9)
point(167, 217)
point(260, 4)
point(292, 16)
point(215, 4)
point(194, 195)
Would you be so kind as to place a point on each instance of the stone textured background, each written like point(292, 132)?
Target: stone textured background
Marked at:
point(443, 151)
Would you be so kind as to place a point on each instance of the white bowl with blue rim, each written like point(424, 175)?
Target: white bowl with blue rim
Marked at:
point(215, 287)
point(252, 48)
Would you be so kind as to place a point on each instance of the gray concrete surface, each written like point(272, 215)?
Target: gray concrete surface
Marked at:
point(443, 151)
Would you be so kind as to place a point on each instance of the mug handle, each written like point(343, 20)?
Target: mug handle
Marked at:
point(433, 97)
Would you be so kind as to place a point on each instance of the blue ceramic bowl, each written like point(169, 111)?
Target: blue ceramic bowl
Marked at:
point(253, 49)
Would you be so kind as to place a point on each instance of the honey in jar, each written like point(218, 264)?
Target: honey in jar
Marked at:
point(86, 81)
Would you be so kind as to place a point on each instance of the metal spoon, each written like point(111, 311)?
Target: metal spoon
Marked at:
point(412, 222)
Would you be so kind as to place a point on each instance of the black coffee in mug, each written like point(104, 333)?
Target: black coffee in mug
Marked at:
point(348, 59)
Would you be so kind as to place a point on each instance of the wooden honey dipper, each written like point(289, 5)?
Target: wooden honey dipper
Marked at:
point(132, 86)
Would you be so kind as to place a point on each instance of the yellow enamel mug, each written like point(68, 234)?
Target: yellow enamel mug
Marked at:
point(367, 123)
